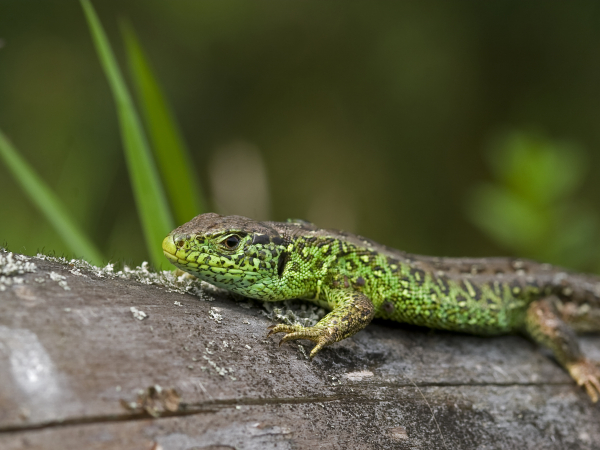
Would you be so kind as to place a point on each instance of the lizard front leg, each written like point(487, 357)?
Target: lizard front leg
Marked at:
point(545, 326)
point(352, 312)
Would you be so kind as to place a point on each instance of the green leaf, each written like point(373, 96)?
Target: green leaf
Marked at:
point(48, 203)
point(536, 168)
point(507, 218)
point(149, 196)
point(172, 155)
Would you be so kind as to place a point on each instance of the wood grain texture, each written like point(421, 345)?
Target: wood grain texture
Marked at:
point(71, 361)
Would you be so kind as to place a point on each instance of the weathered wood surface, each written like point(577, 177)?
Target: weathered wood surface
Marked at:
point(70, 359)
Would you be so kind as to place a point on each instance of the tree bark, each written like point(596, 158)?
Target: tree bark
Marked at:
point(79, 370)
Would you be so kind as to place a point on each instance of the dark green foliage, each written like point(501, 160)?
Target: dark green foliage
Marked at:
point(532, 207)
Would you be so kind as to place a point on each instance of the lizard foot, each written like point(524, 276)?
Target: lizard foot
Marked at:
point(353, 312)
point(587, 374)
point(321, 335)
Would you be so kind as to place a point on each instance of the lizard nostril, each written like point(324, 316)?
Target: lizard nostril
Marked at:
point(179, 242)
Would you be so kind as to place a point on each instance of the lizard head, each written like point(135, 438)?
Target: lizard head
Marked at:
point(232, 252)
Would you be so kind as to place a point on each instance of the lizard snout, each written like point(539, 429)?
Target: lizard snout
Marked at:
point(171, 244)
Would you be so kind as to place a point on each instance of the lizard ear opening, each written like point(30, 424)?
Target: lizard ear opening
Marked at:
point(281, 262)
point(260, 239)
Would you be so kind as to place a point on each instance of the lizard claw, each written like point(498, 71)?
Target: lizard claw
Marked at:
point(280, 328)
point(586, 374)
point(321, 336)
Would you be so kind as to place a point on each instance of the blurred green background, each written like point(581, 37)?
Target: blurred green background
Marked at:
point(439, 127)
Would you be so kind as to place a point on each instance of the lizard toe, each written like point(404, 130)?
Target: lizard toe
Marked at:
point(592, 390)
point(587, 374)
point(592, 386)
point(281, 328)
point(320, 344)
point(321, 335)
point(295, 336)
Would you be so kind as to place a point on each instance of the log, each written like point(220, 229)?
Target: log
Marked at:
point(82, 368)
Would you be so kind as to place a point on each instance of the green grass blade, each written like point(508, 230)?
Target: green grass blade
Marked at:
point(172, 154)
point(48, 203)
point(150, 198)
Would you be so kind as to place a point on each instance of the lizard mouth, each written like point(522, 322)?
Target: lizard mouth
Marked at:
point(170, 250)
point(172, 258)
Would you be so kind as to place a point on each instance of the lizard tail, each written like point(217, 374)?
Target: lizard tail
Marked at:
point(580, 298)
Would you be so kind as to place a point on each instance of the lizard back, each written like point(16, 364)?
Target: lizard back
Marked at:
point(476, 295)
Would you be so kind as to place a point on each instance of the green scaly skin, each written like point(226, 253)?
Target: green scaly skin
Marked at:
point(358, 279)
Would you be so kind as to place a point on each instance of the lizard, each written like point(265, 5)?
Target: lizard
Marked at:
point(357, 279)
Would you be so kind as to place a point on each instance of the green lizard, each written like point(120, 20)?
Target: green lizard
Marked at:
point(358, 279)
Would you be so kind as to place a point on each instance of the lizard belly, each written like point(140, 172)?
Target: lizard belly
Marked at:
point(458, 306)
point(448, 315)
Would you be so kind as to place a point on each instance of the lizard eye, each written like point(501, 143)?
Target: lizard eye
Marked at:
point(232, 242)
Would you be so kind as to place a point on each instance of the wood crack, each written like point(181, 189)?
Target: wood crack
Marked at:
point(213, 406)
